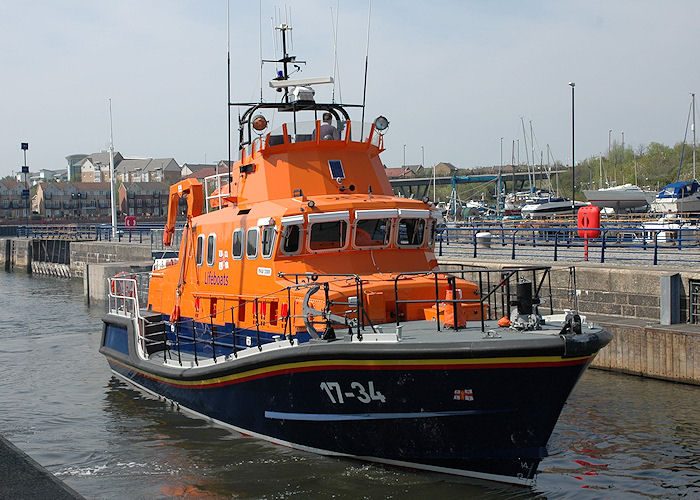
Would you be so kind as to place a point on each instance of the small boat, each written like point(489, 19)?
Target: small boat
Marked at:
point(678, 197)
point(549, 205)
point(624, 198)
point(672, 228)
point(306, 308)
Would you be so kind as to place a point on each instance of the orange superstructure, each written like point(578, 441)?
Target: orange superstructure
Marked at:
point(285, 215)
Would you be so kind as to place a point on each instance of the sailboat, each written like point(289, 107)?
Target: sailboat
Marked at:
point(681, 196)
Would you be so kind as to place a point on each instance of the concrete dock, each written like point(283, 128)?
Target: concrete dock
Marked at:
point(23, 477)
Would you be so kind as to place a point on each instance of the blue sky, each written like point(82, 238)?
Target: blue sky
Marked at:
point(451, 76)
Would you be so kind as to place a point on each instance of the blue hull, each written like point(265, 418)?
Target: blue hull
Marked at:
point(489, 419)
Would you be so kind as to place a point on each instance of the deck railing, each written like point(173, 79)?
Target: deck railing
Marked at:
point(496, 286)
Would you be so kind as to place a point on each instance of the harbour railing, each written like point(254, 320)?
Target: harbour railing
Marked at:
point(654, 244)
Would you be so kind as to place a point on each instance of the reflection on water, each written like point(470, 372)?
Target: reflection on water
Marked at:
point(617, 435)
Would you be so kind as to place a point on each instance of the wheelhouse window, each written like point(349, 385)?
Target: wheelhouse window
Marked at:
point(291, 239)
point(432, 232)
point(237, 244)
point(411, 232)
point(329, 235)
point(251, 249)
point(372, 233)
point(269, 235)
point(199, 259)
point(211, 249)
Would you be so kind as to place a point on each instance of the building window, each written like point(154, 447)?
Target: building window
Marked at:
point(251, 249)
point(211, 249)
point(237, 244)
point(199, 259)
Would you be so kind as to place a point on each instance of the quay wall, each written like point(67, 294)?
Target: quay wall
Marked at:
point(627, 292)
point(84, 253)
point(626, 301)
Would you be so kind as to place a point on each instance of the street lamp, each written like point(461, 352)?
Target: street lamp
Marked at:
point(573, 161)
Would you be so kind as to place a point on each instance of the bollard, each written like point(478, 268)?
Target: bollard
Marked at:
point(602, 247)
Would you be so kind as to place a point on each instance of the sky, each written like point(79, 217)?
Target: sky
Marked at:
point(452, 76)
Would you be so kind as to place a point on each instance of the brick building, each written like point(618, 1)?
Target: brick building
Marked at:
point(12, 205)
point(55, 200)
point(144, 199)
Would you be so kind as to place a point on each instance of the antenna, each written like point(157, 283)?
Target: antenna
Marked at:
point(228, 98)
point(364, 89)
point(334, 23)
point(259, 48)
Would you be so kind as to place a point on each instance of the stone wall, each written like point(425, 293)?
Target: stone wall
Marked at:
point(103, 252)
point(16, 254)
point(632, 292)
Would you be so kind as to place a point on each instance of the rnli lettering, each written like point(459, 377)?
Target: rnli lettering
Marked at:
point(357, 391)
point(211, 278)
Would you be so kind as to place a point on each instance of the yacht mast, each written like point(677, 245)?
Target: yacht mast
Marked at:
point(693, 104)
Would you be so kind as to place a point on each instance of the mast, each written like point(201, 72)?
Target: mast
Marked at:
point(693, 104)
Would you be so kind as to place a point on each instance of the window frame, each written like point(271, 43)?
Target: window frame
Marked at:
point(388, 237)
point(233, 237)
point(398, 232)
point(300, 241)
point(199, 251)
point(212, 237)
point(257, 242)
point(272, 243)
point(326, 250)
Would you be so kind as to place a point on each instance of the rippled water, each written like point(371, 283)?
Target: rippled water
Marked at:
point(618, 436)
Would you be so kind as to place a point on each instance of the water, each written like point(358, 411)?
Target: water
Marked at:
point(618, 436)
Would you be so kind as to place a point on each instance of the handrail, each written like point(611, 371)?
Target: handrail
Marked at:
point(124, 300)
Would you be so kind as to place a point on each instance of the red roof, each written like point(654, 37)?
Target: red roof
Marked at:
point(398, 172)
point(201, 173)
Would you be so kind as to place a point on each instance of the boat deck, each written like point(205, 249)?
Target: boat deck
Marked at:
point(409, 333)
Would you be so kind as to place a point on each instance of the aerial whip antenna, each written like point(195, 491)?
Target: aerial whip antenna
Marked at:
point(334, 23)
point(259, 48)
point(364, 90)
point(228, 85)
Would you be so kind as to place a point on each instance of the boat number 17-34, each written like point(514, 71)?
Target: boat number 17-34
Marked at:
point(357, 390)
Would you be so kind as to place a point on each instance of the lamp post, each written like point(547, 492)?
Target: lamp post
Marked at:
point(573, 161)
point(606, 168)
point(25, 179)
